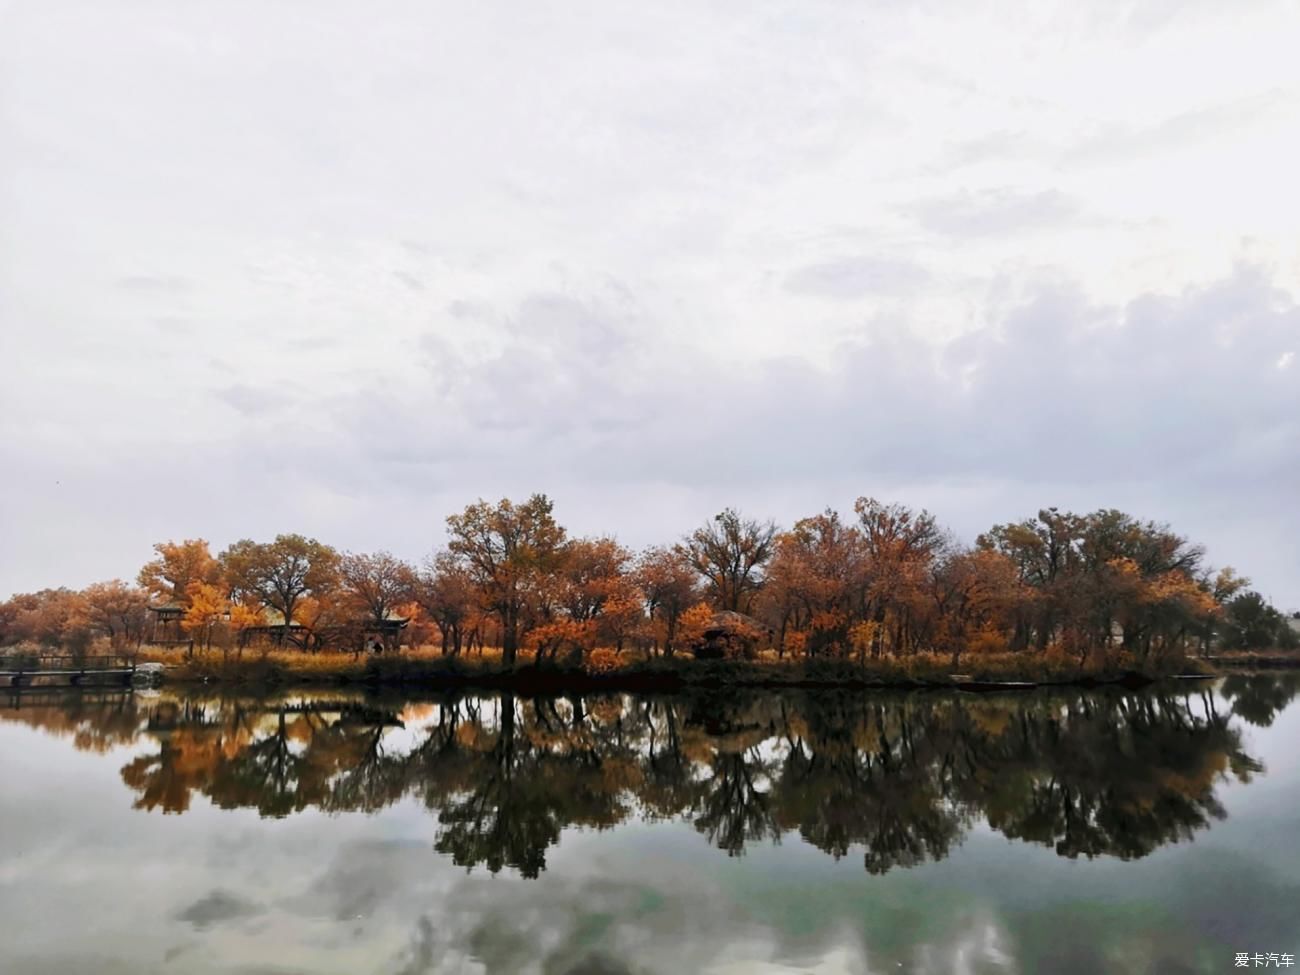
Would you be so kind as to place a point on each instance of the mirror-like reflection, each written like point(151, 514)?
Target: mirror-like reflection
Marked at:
point(330, 832)
point(897, 780)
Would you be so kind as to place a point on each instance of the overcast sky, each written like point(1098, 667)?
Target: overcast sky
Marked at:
point(343, 267)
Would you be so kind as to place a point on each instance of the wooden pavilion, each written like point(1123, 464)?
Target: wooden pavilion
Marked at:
point(166, 629)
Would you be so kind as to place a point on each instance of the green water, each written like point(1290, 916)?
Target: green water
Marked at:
point(1049, 832)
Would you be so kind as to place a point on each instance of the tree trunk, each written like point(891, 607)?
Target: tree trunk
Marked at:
point(509, 638)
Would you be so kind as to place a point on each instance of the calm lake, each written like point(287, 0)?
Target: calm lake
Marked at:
point(342, 832)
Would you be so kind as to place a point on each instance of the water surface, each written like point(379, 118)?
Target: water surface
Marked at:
point(341, 832)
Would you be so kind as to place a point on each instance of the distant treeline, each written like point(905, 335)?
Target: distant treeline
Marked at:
point(890, 582)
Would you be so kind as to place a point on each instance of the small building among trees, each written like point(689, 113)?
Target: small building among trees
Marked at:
point(358, 634)
point(732, 634)
point(165, 623)
point(276, 631)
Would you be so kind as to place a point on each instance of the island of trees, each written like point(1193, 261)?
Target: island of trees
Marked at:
point(887, 590)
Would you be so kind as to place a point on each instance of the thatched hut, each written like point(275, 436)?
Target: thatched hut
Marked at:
point(731, 634)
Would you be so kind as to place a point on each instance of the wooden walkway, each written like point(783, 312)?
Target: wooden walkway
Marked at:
point(64, 695)
point(22, 669)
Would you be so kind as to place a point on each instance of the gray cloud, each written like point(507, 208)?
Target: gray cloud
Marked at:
point(1013, 400)
point(153, 282)
point(250, 400)
point(410, 280)
point(1184, 130)
point(218, 907)
point(857, 277)
point(987, 147)
point(993, 212)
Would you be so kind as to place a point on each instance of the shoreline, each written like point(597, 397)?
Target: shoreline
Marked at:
point(1264, 659)
point(659, 676)
point(423, 670)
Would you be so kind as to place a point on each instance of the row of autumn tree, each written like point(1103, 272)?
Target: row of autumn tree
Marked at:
point(889, 582)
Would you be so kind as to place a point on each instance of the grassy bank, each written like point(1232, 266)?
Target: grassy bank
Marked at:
point(426, 668)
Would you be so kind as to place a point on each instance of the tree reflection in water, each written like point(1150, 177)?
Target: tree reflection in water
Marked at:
point(898, 778)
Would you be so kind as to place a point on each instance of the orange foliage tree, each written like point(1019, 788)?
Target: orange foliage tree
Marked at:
point(206, 607)
point(510, 550)
point(178, 565)
point(116, 611)
point(669, 586)
point(445, 591)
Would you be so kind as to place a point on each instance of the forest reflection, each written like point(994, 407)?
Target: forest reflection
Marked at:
point(897, 779)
